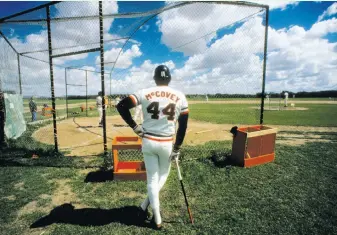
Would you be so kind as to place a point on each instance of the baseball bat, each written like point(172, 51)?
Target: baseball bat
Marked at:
point(182, 186)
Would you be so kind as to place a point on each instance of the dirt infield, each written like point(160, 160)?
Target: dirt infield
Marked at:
point(275, 108)
point(83, 137)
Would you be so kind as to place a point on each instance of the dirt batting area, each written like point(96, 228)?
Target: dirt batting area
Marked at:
point(83, 137)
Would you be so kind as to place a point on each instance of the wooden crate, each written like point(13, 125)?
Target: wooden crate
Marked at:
point(127, 170)
point(254, 145)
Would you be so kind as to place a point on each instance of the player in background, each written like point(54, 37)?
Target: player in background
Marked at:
point(100, 108)
point(162, 107)
point(206, 98)
point(286, 95)
point(33, 108)
point(117, 100)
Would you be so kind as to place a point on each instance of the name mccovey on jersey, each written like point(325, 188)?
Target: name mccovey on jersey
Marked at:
point(166, 94)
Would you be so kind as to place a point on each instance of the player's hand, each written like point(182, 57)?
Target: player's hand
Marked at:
point(139, 131)
point(175, 155)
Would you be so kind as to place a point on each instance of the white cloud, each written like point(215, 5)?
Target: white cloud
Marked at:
point(298, 59)
point(124, 58)
point(195, 24)
point(302, 60)
point(71, 33)
point(136, 78)
point(144, 28)
point(332, 10)
point(322, 28)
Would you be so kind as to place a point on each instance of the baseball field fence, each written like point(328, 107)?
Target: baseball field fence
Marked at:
point(55, 58)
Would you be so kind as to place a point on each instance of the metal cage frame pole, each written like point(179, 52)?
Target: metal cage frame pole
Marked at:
point(86, 93)
point(50, 48)
point(264, 64)
point(66, 81)
point(19, 70)
point(100, 5)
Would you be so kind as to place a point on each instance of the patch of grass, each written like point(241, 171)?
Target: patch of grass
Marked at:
point(224, 113)
point(26, 145)
point(298, 190)
point(20, 151)
point(316, 115)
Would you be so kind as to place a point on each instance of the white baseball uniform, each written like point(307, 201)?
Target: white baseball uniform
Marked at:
point(286, 99)
point(161, 107)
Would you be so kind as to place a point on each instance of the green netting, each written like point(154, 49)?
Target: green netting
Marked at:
point(215, 51)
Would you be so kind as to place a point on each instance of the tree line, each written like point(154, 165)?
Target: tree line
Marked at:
point(301, 94)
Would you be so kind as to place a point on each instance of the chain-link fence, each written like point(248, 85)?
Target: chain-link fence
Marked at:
point(57, 57)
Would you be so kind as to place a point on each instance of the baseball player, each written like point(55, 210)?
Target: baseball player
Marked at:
point(267, 97)
point(33, 108)
point(286, 95)
point(162, 107)
point(100, 108)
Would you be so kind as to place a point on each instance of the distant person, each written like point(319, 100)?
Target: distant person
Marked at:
point(45, 106)
point(293, 96)
point(267, 98)
point(106, 102)
point(206, 98)
point(117, 100)
point(99, 104)
point(33, 108)
point(286, 99)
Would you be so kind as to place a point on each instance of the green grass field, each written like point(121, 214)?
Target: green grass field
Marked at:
point(296, 194)
point(316, 115)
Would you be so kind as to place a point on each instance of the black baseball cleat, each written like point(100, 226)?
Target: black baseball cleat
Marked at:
point(154, 225)
point(143, 215)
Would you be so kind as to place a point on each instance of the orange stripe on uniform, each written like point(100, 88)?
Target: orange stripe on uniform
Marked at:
point(185, 112)
point(133, 99)
point(159, 140)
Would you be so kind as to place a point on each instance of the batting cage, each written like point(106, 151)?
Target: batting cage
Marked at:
point(56, 58)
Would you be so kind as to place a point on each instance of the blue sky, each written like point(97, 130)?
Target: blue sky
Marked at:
point(211, 64)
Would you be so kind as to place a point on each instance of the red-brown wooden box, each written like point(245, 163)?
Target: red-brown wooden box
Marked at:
point(253, 145)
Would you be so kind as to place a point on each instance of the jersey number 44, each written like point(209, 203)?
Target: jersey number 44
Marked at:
point(169, 110)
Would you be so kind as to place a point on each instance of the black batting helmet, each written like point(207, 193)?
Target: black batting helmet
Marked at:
point(162, 75)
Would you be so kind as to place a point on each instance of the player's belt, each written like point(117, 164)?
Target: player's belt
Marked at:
point(157, 135)
point(150, 136)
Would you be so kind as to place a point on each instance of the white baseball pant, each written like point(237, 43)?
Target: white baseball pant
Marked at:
point(157, 163)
